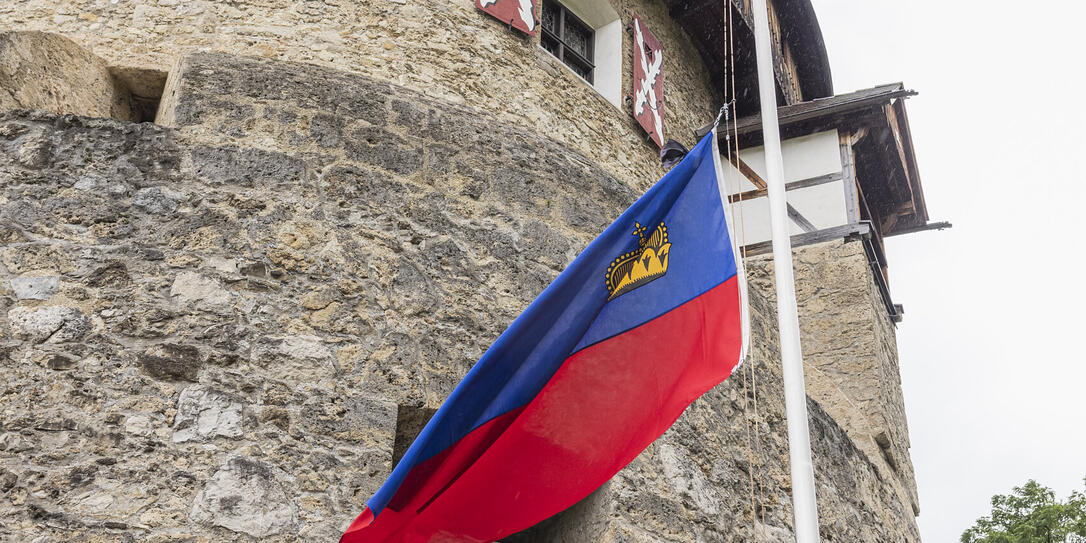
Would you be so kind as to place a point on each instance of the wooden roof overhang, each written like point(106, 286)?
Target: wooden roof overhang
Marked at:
point(878, 127)
point(704, 21)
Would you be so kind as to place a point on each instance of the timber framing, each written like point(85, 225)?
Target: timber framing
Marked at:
point(883, 195)
point(877, 152)
point(846, 231)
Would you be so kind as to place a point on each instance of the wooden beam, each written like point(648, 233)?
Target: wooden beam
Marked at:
point(748, 172)
point(811, 238)
point(803, 183)
point(800, 220)
point(930, 226)
point(757, 181)
point(889, 222)
point(920, 206)
point(895, 130)
point(858, 135)
point(824, 107)
point(848, 171)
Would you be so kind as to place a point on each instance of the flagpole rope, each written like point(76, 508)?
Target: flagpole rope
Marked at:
point(751, 395)
point(730, 143)
point(758, 445)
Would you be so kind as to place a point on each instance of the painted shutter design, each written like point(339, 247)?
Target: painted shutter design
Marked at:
point(648, 81)
point(520, 14)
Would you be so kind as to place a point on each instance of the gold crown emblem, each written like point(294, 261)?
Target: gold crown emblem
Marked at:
point(641, 266)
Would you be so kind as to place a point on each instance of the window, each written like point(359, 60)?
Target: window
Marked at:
point(568, 38)
point(586, 36)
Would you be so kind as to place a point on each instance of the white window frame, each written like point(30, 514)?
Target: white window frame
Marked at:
point(607, 46)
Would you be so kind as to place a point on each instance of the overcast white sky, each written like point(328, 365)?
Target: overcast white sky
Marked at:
point(991, 344)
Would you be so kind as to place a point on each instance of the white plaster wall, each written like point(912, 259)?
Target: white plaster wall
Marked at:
point(804, 158)
point(823, 205)
point(608, 77)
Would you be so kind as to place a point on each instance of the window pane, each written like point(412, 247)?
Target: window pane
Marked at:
point(562, 27)
point(549, 43)
point(578, 37)
point(575, 65)
point(550, 16)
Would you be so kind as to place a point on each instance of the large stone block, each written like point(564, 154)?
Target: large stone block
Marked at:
point(55, 324)
point(50, 72)
point(246, 495)
point(35, 288)
point(204, 413)
point(171, 362)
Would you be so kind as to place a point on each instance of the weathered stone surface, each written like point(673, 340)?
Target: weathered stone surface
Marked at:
point(193, 287)
point(850, 353)
point(35, 288)
point(324, 295)
point(318, 299)
point(245, 496)
point(170, 362)
point(246, 167)
point(7, 480)
point(496, 70)
point(50, 72)
point(204, 413)
point(688, 481)
point(156, 200)
point(141, 34)
point(299, 358)
point(55, 324)
point(139, 425)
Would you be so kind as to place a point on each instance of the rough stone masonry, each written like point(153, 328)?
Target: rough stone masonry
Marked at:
point(216, 331)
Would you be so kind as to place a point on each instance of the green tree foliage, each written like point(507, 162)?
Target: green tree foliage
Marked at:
point(1031, 514)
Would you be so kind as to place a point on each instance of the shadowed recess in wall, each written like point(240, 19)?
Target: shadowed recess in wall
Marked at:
point(410, 420)
point(49, 72)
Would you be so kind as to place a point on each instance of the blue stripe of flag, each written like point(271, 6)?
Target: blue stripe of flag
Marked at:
point(573, 312)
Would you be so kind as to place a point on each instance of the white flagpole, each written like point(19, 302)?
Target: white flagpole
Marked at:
point(795, 394)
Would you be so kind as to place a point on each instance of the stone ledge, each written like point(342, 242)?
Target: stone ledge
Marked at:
point(39, 70)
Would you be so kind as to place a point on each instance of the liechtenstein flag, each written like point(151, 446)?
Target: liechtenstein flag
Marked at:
point(648, 318)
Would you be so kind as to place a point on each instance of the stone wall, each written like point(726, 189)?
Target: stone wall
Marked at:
point(218, 332)
point(50, 72)
point(850, 352)
point(445, 48)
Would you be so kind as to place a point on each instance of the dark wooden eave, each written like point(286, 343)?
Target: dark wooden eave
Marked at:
point(704, 21)
point(799, 26)
point(806, 117)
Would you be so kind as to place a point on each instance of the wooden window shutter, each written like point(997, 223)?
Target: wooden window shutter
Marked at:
point(648, 84)
point(518, 14)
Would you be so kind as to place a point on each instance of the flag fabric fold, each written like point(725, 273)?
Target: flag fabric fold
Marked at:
point(650, 316)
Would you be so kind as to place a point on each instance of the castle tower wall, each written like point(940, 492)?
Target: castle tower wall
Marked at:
point(234, 318)
point(850, 352)
point(444, 48)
